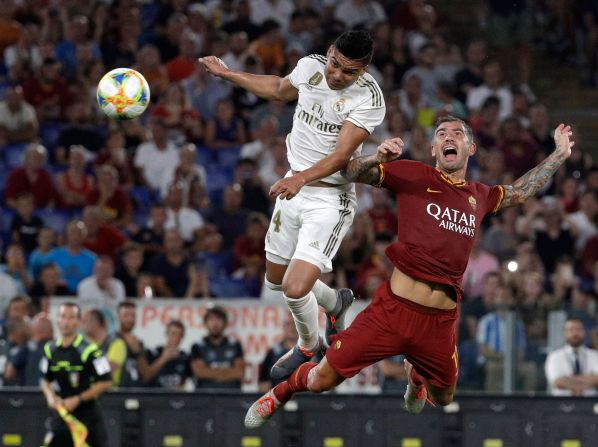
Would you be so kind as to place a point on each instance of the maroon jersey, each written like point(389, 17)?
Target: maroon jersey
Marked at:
point(438, 220)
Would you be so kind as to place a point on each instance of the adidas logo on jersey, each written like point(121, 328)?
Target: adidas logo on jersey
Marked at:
point(315, 245)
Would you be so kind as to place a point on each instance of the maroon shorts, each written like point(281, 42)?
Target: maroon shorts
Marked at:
point(392, 325)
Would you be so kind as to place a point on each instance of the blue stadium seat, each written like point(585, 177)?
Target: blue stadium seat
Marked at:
point(14, 155)
point(142, 197)
point(228, 157)
point(235, 288)
point(55, 219)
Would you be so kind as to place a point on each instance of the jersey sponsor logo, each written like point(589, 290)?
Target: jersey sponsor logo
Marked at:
point(316, 78)
point(339, 105)
point(317, 123)
point(101, 365)
point(452, 219)
point(473, 202)
point(315, 244)
point(433, 190)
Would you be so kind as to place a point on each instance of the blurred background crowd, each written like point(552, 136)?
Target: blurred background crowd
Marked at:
point(175, 203)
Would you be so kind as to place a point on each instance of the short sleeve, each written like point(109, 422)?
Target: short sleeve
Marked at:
point(370, 112)
point(396, 174)
point(297, 76)
point(494, 197)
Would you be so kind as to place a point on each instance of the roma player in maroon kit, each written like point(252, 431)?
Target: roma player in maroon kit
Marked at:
point(415, 312)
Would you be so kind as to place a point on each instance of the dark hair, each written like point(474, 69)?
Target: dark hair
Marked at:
point(356, 45)
point(72, 304)
point(216, 311)
point(176, 323)
point(128, 304)
point(450, 119)
point(98, 315)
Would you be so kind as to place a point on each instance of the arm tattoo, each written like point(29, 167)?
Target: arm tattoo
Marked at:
point(363, 170)
point(532, 181)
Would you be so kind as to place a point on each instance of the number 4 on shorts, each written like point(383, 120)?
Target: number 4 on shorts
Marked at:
point(276, 221)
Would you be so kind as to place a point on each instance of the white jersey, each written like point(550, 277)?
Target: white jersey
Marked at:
point(321, 112)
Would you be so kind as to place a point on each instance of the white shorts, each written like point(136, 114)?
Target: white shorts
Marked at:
point(311, 225)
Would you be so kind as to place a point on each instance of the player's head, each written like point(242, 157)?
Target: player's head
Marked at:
point(216, 320)
point(69, 318)
point(175, 332)
point(574, 332)
point(348, 58)
point(452, 144)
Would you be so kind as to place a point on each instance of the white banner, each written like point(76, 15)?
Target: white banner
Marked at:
point(257, 325)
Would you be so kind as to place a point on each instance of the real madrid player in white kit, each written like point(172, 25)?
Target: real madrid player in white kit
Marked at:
point(339, 105)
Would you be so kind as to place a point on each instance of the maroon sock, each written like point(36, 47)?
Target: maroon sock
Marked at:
point(297, 382)
point(416, 379)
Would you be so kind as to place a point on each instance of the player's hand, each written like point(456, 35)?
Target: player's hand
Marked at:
point(390, 150)
point(54, 402)
point(287, 188)
point(71, 403)
point(562, 139)
point(214, 65)
point(132, 342)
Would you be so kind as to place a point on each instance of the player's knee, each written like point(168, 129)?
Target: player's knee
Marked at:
point(295, 289)
point(444, 398)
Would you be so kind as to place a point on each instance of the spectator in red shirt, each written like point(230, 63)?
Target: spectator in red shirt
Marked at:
point(32, 178)
point(251, 243)
point(180, 119)
point(521, 153)
point(113, 202)
point(384, 220)
point(182, 66)
point(115, 155)
point(102, 237)
point(47, 92)
point(74, 184)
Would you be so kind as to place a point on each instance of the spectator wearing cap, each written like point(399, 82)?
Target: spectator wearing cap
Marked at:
point(18, 122)
point(110, 198)
point(31, 178)
point(190, 176)
point(242, 22)
point(155, 155)
point(47, 91)
point(217, 360)
point(79, 132)
point(102, 288)
point(74, 184)
point(102, 237)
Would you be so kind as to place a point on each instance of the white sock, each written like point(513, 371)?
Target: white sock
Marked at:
point(325, 295)
point(305, 314)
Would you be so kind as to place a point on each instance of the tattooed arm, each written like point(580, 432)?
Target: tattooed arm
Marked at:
point(365, 169)
point(532, 181)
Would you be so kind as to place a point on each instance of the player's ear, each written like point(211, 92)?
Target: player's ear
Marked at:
point(472, 149)
point(433, 150)
point(329, 52)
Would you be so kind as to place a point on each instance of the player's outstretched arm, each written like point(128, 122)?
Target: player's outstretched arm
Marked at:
point(365, 169)
point(265, 86)
point(532, 181)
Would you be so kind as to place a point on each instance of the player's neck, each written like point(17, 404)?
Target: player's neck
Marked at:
point(457, 176)
point(68, 340)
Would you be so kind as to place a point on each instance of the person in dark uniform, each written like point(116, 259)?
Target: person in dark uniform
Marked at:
point(136, 364)
point(41, 333)
point(217, 360)
point(168, 364)
point(82, 374)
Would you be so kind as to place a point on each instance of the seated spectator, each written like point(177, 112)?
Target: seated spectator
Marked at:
point(288, 341)
point(41, 333)
point(48, 283)
point(262, 139)
point(148, 63)
point(217, 360)
point(110, 198)
point(156, 155)
point(8, 290)
point(181, 120)
point(229, 218)
point(247, 176)
point(74, 261)
point(502, 238)
point(381, 214)
point(18, 332)
point(583, 222)
point(151, 237)
point(392, 377)
point(39, 256)
point(174, 274)
point(18, 308)
point(181, 218)
point(470, 76)
point(238, 43)
point(74, 184)
point(95, 328)
point(269, 47)
point(144, 286)
point(210, 259)
point(411, 97)
point(101, 288)
point(129, 269)
point(573, 369)
point(80, 131)
point(251, 244)
point(102, 238)
point(481, 262)
point(280, 165)
point(115, 154)
point(539, 128)
point(521, 154)
point(48, 91)
point(492, 86)
point(18, 122)
point(25, 227)
point(475, 307)
point(182, 66)
point(190, 175)
point(168, 364)
point(31, 178)
point(16, 268)
point(225, 129)
point(242, 22)
point(486, 124)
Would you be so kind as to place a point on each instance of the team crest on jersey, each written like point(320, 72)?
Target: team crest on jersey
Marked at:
point(316, 78)
point(337, 344)
point(472, 202)
point(339, 105)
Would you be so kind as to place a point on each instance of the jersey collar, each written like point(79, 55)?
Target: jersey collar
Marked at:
point(450, 181)
point(76, 342)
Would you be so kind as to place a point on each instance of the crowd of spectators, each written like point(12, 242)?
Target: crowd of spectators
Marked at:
point(175, 204)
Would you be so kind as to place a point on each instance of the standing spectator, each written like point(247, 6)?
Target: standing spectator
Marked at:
point(25, 227)
point(74, 184)
point(584, 220)
point(217, 360)
point(225, 129)
point(174, 274)
point(186, 221)
point(113, 347)
point(16, 268)
point(190, 175)
point(74, 261)
point(168, 364)
point(39, 256)
point(31, 178)
point(573, 369)
point(18, 332)
point(492, 86)
point(289, 339)
point(80, 131)
point(18, 122)
point(17, 308)
point(101, 288)
point(155, 155)
point(41, 333)
point(110, 198)
point(101, 238)
point(135, 362)
point(48, 283)
point(115, 155)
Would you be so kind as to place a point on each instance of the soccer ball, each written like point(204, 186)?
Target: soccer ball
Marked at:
point(123, 94)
